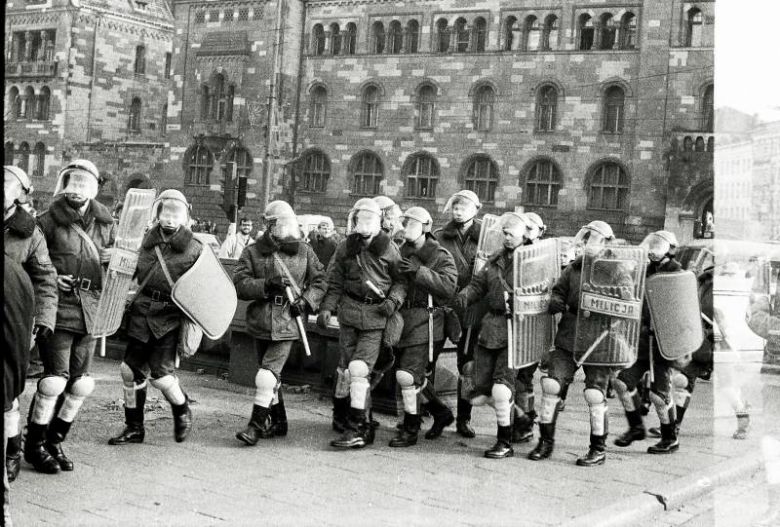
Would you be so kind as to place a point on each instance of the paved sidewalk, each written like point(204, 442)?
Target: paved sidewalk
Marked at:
point(211, 479)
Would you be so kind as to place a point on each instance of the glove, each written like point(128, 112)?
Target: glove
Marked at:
point(557, 305)
point(276, 285)
point(65, 283)
point(323, 318)
point(407, 266)
point(388, 307)
point(299, 308)
point(42, 334)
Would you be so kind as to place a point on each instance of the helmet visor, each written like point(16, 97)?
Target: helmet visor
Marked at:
point(80, 183)
point(588, 240)
point(656, 246)
point(173, 213)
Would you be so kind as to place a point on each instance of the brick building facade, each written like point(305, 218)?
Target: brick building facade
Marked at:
point(88, 78)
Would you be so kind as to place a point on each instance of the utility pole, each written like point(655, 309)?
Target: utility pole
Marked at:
point(272, 124)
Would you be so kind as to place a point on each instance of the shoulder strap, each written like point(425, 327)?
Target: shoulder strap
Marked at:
point(160, 259)
point(286, 271)
point(90, 243)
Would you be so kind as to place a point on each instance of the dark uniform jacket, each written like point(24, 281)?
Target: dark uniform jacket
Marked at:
point(324, 248)
point(438, 276)
point(463, 248)
point(352, 265)
point(17, 329)
point(153, 312)
point(268, 316)
point(25, 244)
point(71, 255)
point(489, 285)
point(567, 290)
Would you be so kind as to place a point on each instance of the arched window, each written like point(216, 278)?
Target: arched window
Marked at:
point(243, 161)
point(484, 99)
point(24, 157)
point(367, 174)
point(134, 120)
point(708, 109)
point(164, 119)
point(614, 105)
point(378, 37)
point(546, 108)
point(628, 31)
point(29, 102)
point(481, 177)
point(550, 33)
point(531, 34)
point(318, 39)
point(426, 100)
point(412, 36)
point(585, 28)
point(231, 93)
point(205, 102)
point(315, 171)
point(442, 36)
point(480, 34)
point(350, 39)
point(462, 36)
point(608, 187)
point(370, 107)
point(422, 175)
point(140, 60)
point(695, 28)
point(395, 37)
point(608, 31)
point(42, 112)
point(542, 184)
point(319, 99)
point(218, 105)
point(199, 166)
point(8, 153)
point(14, 103)
point(511, 30)
point(335, 39)
point(39, 158)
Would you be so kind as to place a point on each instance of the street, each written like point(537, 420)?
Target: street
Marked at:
point(211, 479)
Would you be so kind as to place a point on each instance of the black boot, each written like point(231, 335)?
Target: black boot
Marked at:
point(636, 429)
point(134, 422)
point(442, 415)
point(407, 436)
point(596, 453)
point(463, 424)
point(13, 456)
point(544, 448)
point(257, 428)
point(358, 433)
point(182, 420)
point(680, 411)
point(523, 430)
point(668, 442)
point(503, 447)
point(279, 418)
point(561, 406)
point(340, 414)
point(35, 452)
point(58, 430)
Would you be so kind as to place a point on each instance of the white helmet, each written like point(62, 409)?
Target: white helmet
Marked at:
point(421, 215)
point(593, 235)
point(463, 194)
point(365, 205)
point(391, 214)
point(81, 165)
point(278, 209)
point(537, 221)
point(21, 175)
point(659, 244)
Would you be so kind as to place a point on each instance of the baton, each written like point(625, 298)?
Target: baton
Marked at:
point(375, 289)
point(652, 363)
point(299, 322)
point(592, 347)
point(510, 343)
point(430, 329)
point(102, 346)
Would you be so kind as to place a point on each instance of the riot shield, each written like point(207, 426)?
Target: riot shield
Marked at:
point(136, 215)
point(206, 295)
point(536, 270)
point(490, 241)
point(673, 299)
point(612, 285)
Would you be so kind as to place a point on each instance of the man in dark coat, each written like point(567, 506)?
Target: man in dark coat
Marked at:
point(18, 309)
point(460, 237)
point(431, 274)
point(324, 242)
point(279, 261)
point(154, 324)
point(367, 288)
point(79, 233)
point(25, 244)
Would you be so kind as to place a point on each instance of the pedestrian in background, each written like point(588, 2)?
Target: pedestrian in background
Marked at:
point(324, 241)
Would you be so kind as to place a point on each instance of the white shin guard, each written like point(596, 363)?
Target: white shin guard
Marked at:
point(11, 420)
point(502, 398)
point(79, 390)
point(597, 407)
point(169, 386)
point(49, 389)
point(265, 383)
point(409, 392)
point(129, 387)
point(358, 384)
point(680, 392)
point(550, 398)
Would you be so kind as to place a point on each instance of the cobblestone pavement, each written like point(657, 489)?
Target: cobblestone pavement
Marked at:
point(213, 480)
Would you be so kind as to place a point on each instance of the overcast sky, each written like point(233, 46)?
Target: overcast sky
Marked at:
point(747, 56)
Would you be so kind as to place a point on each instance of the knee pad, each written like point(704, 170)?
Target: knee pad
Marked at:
point(468, 368)
point(341, 388)
point(265, 382)
point(82, 386)
point(52, 386)
point(550, 386)
point(594, 396)
point(163, 383)
point(502, 401)
point(501, 393)
point(358, 369)
point(404, 378)
point(169, 386)
point(679, 381)
point(128, 376)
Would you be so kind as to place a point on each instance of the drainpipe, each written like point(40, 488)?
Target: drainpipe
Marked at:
point(272, 103)
point(92, 80)
point(301, 55)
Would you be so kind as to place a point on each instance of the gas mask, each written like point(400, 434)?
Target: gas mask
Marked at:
point(80, 186)
point(173, 214)
point(366, 224)
point(463, 210)
point(285, 228)
point(413, 229)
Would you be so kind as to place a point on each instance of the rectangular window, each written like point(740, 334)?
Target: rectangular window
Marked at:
point(168, 58)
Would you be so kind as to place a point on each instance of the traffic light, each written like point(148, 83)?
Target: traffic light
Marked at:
point(229, 196)
point(241, 198)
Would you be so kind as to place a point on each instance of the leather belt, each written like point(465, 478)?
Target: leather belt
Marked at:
point(410, 304)
point(366, 299)
point(277, 300)
point(85, 284)
point(156, 295)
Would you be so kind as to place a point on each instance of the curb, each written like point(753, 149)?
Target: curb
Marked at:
point(636, 509)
